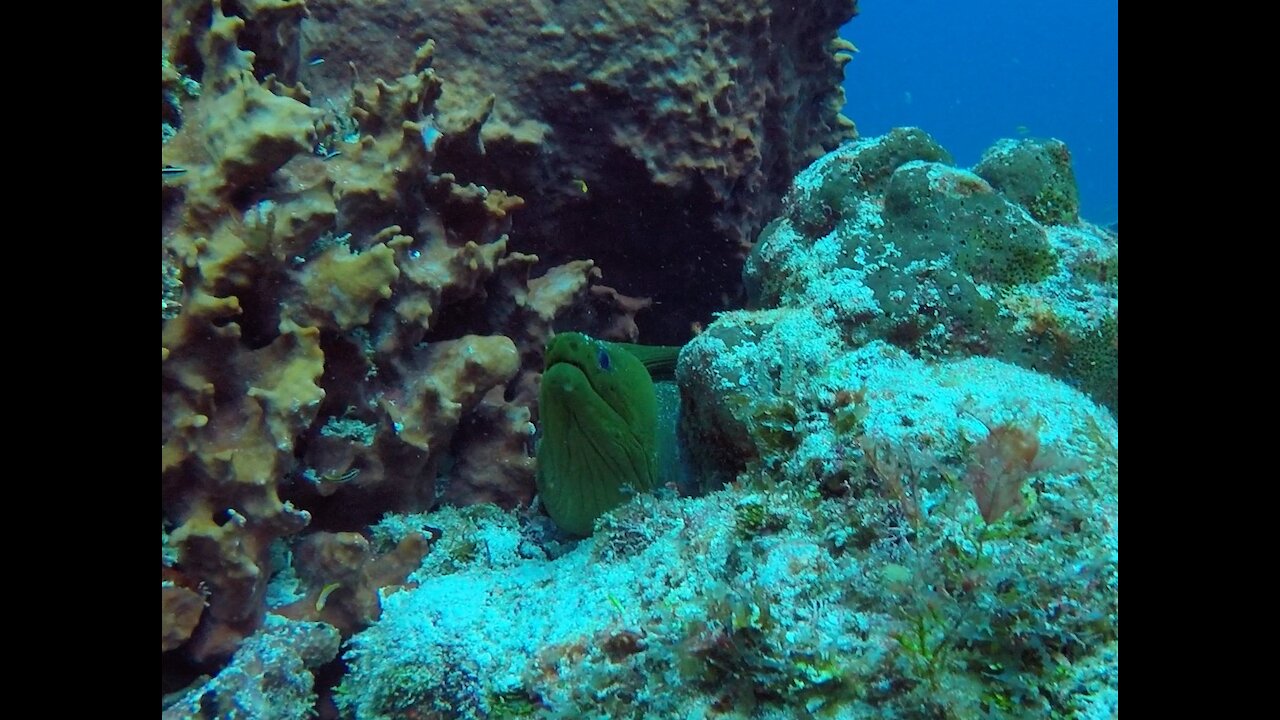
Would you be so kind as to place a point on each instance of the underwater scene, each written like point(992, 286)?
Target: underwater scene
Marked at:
point(669, 359)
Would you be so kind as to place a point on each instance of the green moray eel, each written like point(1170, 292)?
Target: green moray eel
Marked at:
point(599, 418)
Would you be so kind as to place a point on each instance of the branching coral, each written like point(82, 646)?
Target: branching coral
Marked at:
point(328, 321)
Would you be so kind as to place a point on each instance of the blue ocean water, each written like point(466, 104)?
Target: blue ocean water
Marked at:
point(971, 73)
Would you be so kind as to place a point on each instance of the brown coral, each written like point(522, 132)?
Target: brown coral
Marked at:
point(180, 611)
point(334, 310)
point(655, 136)
point(343, 577)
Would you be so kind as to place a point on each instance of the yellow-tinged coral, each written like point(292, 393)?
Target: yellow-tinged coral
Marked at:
point(286, 378)
point(346, 285)
point(427, 411)
point(239, 132)
point(384, 169)
point(547, 293)
point(442, 271)
point(310, 350)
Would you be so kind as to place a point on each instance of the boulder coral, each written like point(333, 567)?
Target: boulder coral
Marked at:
point(891, 242)
point(655, 136)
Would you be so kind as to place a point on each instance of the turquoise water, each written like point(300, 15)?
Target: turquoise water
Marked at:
point(971, 73)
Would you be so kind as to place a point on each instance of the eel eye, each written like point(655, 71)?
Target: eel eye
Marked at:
point(602, 359)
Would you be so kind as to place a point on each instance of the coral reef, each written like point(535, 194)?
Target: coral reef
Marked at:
point(654, 136)
point(269, 678)
point(982, 495)
point(857, 569)
point(334, 310)
point(891, 242)
point(339, 578)
point(376, 215)
point(893, 528)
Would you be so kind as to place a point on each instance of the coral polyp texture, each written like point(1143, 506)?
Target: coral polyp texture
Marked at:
point(655, 136)
point(335, 315)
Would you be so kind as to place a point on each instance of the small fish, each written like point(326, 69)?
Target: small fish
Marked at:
point(581, 185)
point(617, 604)
point(324, 595)
point(171, 170)
point(331, 476)
point(315, 62)
point(1023, 130)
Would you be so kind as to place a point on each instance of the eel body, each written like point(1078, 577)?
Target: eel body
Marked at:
point(599, 413)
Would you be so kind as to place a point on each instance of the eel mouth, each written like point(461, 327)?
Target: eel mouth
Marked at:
point(571, 377)
point(576, 376)
point(569, 352)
